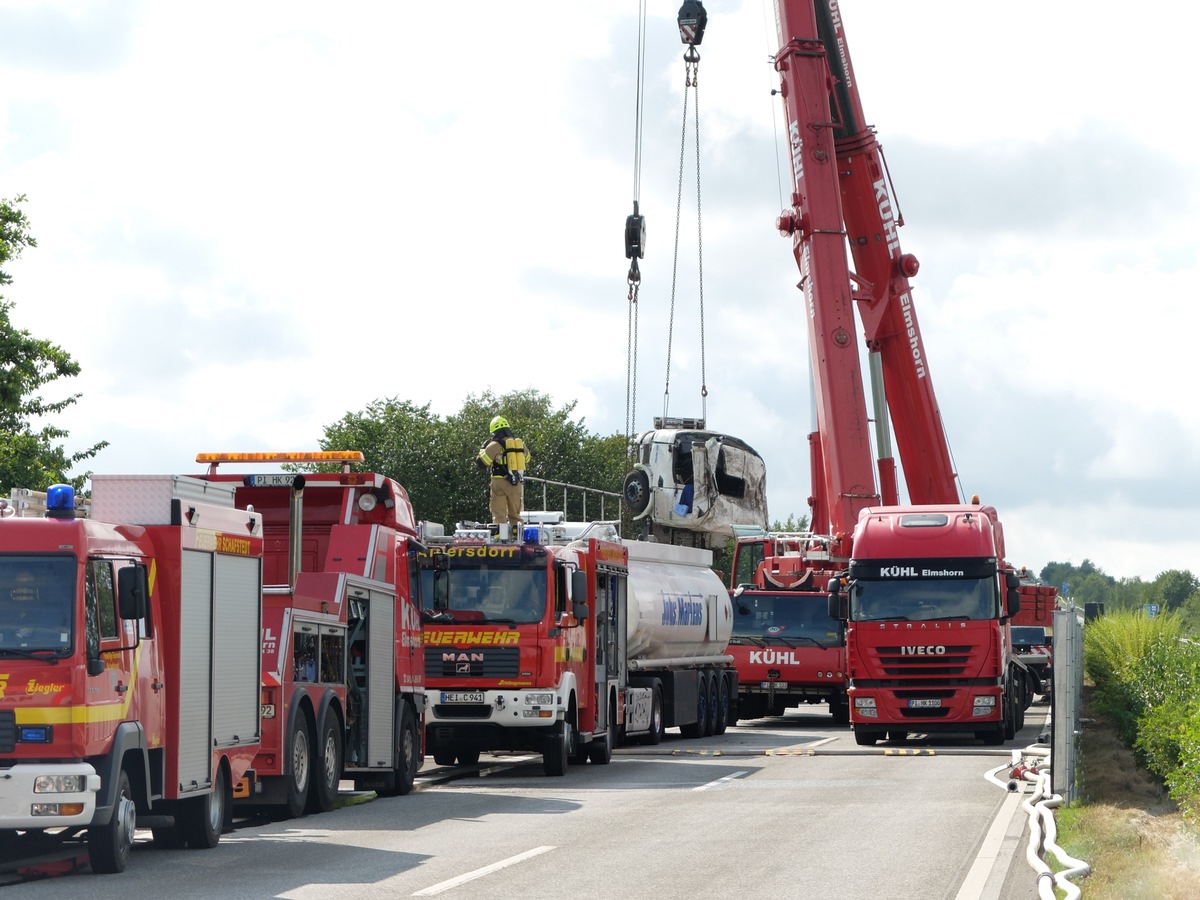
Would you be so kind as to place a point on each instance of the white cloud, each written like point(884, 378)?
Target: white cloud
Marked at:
point(253, 219)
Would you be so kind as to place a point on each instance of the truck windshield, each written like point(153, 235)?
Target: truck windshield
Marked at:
point(488, 594)
point(924, 600)
point(36, 603)
point(785, 617)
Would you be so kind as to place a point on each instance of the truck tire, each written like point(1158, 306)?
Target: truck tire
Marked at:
point(696, 729)
point(839, 708)
point(721, 706)
point(637, 492)
point(406, 760)
point(993, 737)
point(408, 748)
point(657, 727)
point(557, 750)
point(202, 819)
point(299, 766)
point(110, 844)
point(600, 750)
point(327, 765)
point(710, 720)
point(865, 738)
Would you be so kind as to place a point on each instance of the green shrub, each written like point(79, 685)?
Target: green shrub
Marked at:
point(1114, 649)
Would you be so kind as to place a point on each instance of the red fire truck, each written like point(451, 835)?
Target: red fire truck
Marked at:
point(343, 692)
point(128, 665)
point(842, 200)
point(570, 642)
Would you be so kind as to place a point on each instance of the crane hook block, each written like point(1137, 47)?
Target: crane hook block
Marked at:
point(692, 19)
point(635, 236)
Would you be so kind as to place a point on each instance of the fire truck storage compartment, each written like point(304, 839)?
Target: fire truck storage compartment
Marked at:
point(372, 623)
point(219, 595)
point(154, 499)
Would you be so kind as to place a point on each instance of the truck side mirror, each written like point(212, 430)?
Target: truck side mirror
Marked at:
point(1014, 601)
point(132, 591)
point(579, 588)
point(839, 606)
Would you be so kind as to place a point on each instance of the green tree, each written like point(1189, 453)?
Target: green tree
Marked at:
point(434, 458)
point(793, 523)
point(28, 457)
point(1172, 588)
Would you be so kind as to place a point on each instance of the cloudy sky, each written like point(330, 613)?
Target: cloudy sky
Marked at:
point(255, 217)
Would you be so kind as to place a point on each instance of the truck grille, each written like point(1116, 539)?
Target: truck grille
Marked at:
point(8, 731)
point(893, 662)
point(490, 662)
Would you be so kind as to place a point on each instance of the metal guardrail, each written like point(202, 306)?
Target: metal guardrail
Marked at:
point(1066, 700)
point(582, 505)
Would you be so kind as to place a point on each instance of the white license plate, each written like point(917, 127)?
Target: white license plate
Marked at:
point(266, 711)
point(924, 704)
point(778, 685)
point(462, 697)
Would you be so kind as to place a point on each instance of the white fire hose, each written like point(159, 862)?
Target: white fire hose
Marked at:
point(1033, 765)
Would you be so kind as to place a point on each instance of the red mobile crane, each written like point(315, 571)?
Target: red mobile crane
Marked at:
point(922, 665)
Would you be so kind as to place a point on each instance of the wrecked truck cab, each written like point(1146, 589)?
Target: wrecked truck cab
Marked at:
point(688, 478)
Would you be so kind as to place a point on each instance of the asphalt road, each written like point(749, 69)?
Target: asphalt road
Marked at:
point(782, 807)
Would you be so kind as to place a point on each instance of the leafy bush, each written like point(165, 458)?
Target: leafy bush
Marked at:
point(1148, 682)
point(1114, 649)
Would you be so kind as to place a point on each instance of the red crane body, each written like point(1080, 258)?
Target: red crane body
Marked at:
point(895, 576)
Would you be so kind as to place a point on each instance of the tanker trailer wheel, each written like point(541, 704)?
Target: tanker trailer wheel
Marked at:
point(698, 728)
point(557, 750)
point(110, 844)
point(710, 720)
point(637, 492)
point(323, 787)
point(655, 735)
point(202, 819)
point(721, 705)
point(299, 765)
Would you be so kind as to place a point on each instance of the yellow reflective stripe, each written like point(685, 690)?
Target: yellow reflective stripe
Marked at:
point(570, 654)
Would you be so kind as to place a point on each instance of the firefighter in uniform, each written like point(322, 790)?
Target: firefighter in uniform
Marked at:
point(506, 456)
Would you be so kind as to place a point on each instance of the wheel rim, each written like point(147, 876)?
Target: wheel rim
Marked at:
point(330, 759)
point(126, 823)
point(300, 760)
point(408, 749)
point(216, 804)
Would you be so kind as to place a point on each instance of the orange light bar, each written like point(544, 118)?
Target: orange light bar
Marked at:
point(327, 456)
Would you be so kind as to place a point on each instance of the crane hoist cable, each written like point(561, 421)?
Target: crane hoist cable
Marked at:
point(692, 20)
point(635, 242)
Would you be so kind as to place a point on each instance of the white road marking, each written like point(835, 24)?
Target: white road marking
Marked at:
point(479, 873)
point(720, 782)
